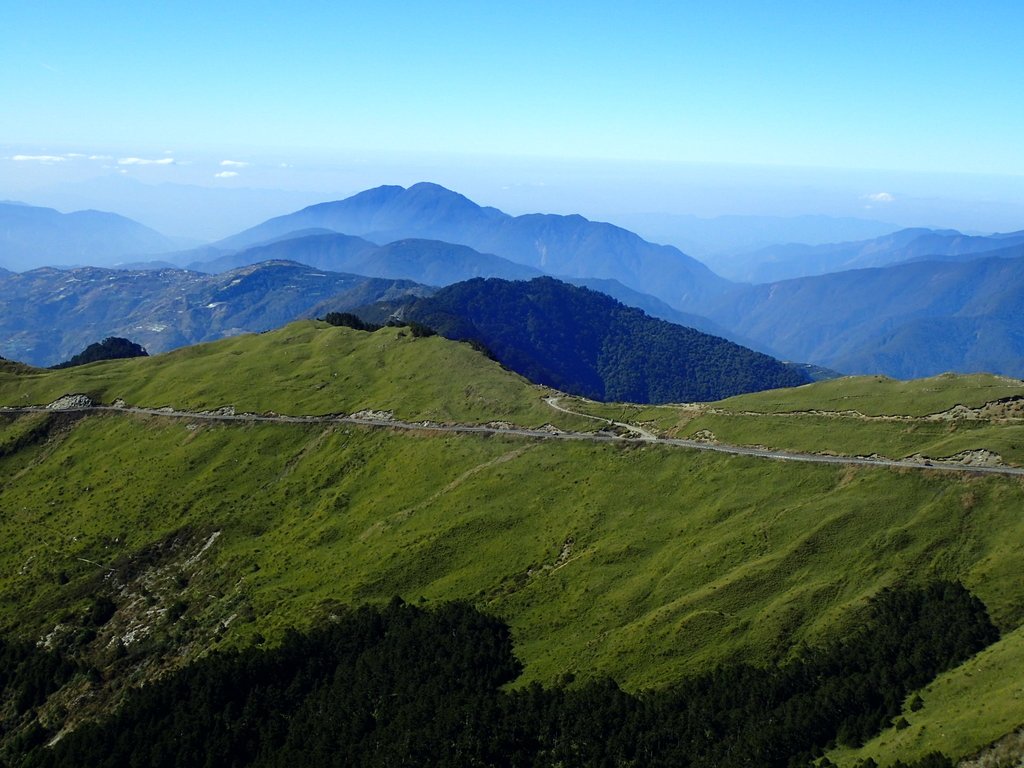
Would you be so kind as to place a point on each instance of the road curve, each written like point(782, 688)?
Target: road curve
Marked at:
point(638, 435)
point(811, 458)
point(639, 432)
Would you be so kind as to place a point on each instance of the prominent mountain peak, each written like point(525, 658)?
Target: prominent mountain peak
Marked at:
point(423, 192)
point(425, 187)
point(569, 246)
point(426, 193)
point(376, 196)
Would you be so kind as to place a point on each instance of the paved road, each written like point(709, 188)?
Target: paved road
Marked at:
point(638, 435)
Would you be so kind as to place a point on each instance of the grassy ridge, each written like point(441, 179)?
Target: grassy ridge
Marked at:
point(306, 368)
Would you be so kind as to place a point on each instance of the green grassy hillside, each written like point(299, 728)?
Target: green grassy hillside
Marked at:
point(937, 418)
point(140, 541)
point(881, 396)
point(304, 368)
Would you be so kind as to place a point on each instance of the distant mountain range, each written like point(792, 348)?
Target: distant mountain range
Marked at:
point(906, 303)
point(30, 236)
point(569, 246)
point(783, 262)
point(655, 307)
point(430, 262)
point(908, 320)
point(586, 343)
point(201, 213)
point(425, 261)
point(714, 240)
point(47, 315)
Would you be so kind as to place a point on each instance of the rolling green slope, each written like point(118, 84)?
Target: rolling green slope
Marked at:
point(306, 368)
point(139, 542)
point(882, 396)
point(944, 417)
point(640, 562)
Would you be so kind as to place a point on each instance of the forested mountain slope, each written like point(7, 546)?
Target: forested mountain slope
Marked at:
point(584, 342)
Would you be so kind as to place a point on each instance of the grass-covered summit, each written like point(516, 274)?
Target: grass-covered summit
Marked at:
point(305, 368)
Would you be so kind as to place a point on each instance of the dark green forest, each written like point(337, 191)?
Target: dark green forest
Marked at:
point(349, 320)
point(111, 348)
point(586, 343)
point(404, 685)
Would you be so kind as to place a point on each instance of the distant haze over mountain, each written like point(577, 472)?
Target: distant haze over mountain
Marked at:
point(907, 320)
point(31, 236)
point(708, 239)
point(189, 210)
point(781, 262)
point(425, 261)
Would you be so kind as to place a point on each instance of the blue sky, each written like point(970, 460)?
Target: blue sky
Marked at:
point(923, 87)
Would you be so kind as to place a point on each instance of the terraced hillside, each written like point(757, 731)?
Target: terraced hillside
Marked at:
point(139, 542)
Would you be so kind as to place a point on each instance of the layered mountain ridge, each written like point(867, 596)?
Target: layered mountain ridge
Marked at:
point(793, 260)
point(909, 320)
point(567, 246)
point(943, 317)
point(47, 315)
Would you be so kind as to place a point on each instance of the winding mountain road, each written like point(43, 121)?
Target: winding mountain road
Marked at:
point(637, 435)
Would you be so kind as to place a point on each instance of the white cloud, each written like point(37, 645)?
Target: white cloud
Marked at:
point(73, 154)
point(880, 197)
point(144, 161)
point(233, 164)
point(37, 159)
point(100, 157)
point(225, 175)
